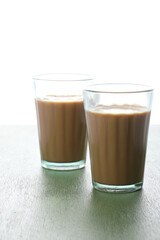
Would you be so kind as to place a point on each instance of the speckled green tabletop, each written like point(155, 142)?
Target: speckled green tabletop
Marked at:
point(37, 204)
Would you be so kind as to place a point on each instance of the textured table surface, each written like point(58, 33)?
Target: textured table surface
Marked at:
point(41, 204)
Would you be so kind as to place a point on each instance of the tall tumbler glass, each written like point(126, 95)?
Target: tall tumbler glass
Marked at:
point(61, 120)
point(118, 118)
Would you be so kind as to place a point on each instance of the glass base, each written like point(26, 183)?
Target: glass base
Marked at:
point(118, 189)
point(63, 166)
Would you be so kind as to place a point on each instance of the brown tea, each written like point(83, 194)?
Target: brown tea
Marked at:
point(117, 141)
point(62, 129)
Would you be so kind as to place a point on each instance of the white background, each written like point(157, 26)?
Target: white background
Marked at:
point(114, 41)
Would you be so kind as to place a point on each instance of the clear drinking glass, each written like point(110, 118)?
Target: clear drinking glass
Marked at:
point(61, 120)
point(117, 118)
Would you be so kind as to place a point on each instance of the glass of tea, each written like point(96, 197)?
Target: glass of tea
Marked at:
point(61, 120)
point(118, 117)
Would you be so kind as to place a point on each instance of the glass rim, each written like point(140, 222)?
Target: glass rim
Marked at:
point(137, 88)
point(63, 77)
